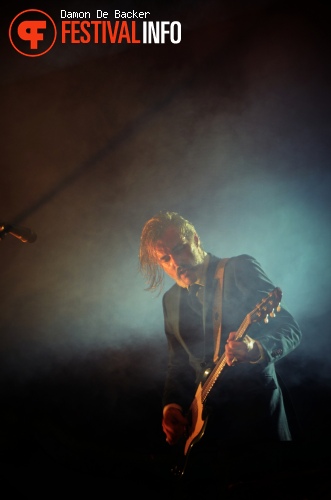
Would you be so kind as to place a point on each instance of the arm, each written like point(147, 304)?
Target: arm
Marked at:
point(247, 284)
point(179, 384)
point(180, 379)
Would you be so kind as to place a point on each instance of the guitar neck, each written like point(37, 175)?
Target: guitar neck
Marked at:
point(221, 363)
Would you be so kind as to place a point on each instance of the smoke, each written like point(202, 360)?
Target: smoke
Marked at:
point(232, 133)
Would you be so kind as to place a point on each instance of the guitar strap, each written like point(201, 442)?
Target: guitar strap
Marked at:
point(217, 307)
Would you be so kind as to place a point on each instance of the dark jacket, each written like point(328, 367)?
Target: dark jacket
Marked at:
point(246, 402)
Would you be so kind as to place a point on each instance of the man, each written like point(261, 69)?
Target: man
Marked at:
point(245, 406)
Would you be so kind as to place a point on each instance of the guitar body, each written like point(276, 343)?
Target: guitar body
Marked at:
point(194, 433)
point(198, 424)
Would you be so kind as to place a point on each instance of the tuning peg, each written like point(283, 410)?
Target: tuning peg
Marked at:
point(266, 319)
point(272, 314)
point(278, 308)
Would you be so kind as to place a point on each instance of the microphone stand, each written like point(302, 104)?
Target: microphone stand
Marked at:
point(23, 234)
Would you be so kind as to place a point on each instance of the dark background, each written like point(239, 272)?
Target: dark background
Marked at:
point(231, 128)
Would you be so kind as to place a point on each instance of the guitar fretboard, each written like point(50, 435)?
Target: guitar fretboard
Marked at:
point(221, 363)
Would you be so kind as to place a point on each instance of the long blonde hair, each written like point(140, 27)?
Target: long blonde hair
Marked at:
point(151, 233)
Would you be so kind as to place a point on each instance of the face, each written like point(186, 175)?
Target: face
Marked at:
point(180, 258)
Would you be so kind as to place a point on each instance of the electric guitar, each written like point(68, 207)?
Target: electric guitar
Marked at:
point(198, 422)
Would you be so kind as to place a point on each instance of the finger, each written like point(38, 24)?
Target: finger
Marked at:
point(229, 359)
point(232, 336)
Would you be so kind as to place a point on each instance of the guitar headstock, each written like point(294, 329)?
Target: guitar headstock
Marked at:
point(267, 307)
